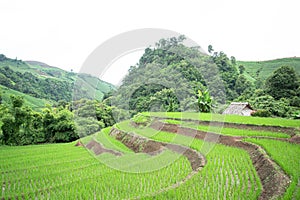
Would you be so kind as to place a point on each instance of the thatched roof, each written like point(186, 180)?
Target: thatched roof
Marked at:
point(238, 108)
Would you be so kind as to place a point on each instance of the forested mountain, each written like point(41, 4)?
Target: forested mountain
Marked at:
point(38, 103)
point(173, 77)
point(168, 77)
point(42, 81)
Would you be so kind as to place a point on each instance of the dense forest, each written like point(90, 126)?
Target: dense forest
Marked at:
point(173, 77)
point(168, 77)
point(61, 122)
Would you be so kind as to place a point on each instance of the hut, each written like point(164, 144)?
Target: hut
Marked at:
point(239, 108)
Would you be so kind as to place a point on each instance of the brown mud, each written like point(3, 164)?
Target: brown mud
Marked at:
point(141, 144)
point(99, 149)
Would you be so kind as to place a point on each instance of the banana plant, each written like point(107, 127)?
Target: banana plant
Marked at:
point(204, 101)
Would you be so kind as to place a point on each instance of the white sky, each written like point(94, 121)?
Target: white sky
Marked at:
point(64, 33)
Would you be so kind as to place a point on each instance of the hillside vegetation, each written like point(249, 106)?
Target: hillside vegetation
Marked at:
point(261, 70)
point(175, 78)
point(42, 81)
point(160, 135)
point(112, 167)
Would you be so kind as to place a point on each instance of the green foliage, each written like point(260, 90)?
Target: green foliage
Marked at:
point(141, 119)
point(295, 101)
point(164, 100)
point(168, 77)
point(241, 69)
point(242, 85)
point(204, 101)
point(20, 125)
point(58, 125)
point(261, 70)
point(279, 108)
point(32, 102)
point(92, 115)
point(45, 82)
point(228, 118)
point(283, 83)
point(228, 72)
point(261, 113)
point(87, 126)
point(210, 49)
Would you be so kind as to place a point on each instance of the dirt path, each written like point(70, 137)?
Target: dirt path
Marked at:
point(273, 178)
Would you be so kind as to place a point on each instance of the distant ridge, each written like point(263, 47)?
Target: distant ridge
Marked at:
point(48, 83)
point(32, 62)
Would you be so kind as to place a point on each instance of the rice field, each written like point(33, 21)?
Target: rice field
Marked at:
point(67, 171)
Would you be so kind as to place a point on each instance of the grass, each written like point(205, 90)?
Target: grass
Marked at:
point(94, 87)
point(265, 68)
point(229, 173)
point(228, 131)
point(109, 142)
point(34, 103)
point(287, 156)
point(63, 171)
point(261, 121)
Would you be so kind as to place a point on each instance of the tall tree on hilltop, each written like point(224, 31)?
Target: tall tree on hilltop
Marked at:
point(283, 83)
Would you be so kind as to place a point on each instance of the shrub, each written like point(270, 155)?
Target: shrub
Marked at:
point(261, 113)
point(141, 120)
point(296, 115)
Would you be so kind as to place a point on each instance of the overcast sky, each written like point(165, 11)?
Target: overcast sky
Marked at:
point(63, 33)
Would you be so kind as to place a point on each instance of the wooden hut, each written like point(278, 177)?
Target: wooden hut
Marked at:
point(239, 108)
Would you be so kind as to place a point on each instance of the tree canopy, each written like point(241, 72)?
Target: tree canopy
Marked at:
point(283, 83)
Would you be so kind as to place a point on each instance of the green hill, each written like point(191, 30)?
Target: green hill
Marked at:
point(43, 82)
point(34, 103)
point(263, 69)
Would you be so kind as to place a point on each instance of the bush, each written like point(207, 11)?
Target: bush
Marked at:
point(261, 113)
point(141, 120)
point(279, 108)
point(295, 101)
point(296, 115)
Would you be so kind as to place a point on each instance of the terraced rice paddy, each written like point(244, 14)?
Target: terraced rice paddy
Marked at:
point(168, 159)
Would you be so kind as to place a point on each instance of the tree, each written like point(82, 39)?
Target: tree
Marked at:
point(58, 125)
point(164, 100)
point(283, 83)
point(204, 101)
point(242, 84)
point(228, 72)
point(241, 69)
point(210, 49)
point(279, 108)
point(16, 122)
point(64, 128)
point(233, 60)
